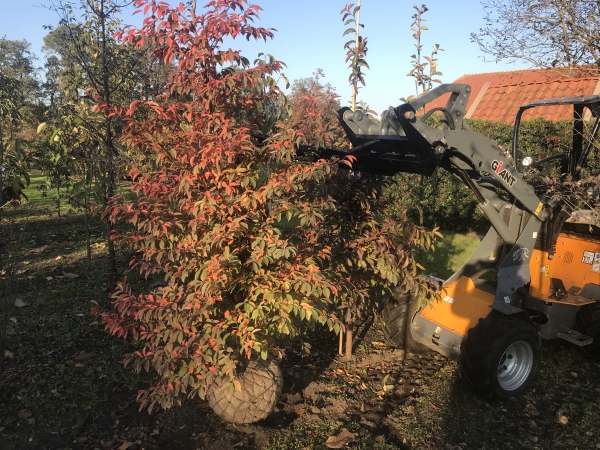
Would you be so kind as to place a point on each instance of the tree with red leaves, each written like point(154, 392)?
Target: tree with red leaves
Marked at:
point(250, 239)
point(314, 109)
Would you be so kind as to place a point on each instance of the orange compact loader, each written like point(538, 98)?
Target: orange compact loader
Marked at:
point(536, 273)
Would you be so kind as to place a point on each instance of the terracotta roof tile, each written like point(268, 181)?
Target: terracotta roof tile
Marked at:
point(500, 103)
point(507, 91)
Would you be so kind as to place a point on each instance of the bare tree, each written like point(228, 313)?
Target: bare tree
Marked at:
point(423, 72)
point(106, 69)
point(545, 33)
point(356, 48)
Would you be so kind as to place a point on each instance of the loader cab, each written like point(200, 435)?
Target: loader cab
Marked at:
point(585, 108)
point(565, 165)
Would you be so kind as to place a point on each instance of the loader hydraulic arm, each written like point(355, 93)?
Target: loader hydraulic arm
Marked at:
point(403, 142)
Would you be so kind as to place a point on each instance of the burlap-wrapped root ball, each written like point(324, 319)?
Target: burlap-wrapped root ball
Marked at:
point(261, 386)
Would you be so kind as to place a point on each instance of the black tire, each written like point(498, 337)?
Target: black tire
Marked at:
point(396, 317)
point(500, 357)
point(260, 388)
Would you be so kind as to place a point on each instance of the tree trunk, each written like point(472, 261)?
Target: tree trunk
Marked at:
point(420, 199)
point(193, 10)
point(349, 339)
point(349, 336)
point(110, 150)
point(1, 145)
point(88, 237)
point(58, 199)
point(1, 180)
point(356, 42)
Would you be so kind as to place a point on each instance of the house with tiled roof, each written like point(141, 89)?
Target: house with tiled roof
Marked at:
point(497, 96)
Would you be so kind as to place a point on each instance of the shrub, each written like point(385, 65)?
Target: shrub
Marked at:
point(250, 240)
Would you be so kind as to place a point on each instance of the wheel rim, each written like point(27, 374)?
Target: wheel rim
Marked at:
point(515, 365)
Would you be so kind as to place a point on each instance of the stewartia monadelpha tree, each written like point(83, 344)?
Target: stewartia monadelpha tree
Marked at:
point(250, 240)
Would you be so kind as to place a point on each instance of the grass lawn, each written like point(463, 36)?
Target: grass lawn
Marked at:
point(450, 254)
point(63, 385)
point(43, 198)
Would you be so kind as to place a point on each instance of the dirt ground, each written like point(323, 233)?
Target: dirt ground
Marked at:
point(423, 405)
point(63, 385)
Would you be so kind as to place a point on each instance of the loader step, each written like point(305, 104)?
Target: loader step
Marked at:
point(575, 337)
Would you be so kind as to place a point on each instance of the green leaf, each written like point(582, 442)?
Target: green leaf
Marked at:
point(42, 126)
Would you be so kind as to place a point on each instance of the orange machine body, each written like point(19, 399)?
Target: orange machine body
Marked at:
point(462, 304)
point(576, 263)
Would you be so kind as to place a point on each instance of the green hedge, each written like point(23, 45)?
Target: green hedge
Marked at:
point(447, 203)
point(538, 138)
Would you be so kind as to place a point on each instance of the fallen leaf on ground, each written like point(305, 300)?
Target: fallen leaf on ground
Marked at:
point(563, 420)
point(38, 250)
point(341, 440)
point(57, 258)
point(531, 423)
point(410, 409)
point(244, 443)
point(30, 277)
point(83, 356)
point(20, 303)
point(126, 445)
point(70, 275)
point(25, 413)
point(8, 354)
point(48, 278)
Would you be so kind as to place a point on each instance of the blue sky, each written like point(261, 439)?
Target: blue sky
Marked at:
point(309, 36)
